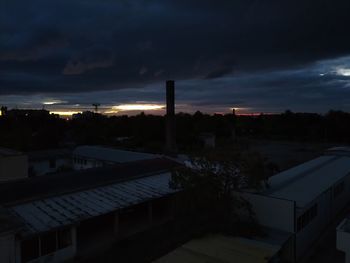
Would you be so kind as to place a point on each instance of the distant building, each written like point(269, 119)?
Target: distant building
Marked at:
point(78, 214)
point(49, 161)
point(18, 113)
point(343, 238)
point(85, 157)
point(304, 200)
point(86, 115)
point(13, 165)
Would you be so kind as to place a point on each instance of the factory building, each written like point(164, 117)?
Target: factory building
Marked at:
point(304, 200)
point(74, 215)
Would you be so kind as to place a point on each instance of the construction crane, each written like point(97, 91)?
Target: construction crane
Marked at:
point(96, 105)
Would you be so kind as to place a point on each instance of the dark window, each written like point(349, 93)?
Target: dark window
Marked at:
point(307, 217)
point(338, 189)
point(29, 249)
point(64, 238)
point(52, 163)
point(48, 243)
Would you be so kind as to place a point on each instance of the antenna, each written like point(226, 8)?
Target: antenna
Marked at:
point(96, 105)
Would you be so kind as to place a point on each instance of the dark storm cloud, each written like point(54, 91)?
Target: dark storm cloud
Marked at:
point(87, 46)
point(318, 87)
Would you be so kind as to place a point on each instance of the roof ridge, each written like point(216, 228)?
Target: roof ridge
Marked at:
point(302, 174)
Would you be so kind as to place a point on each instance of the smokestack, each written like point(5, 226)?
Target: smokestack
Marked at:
point(170, 117)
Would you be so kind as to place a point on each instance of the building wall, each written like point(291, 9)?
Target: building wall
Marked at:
point(341, 200)
point(309, 234)
point(58, 256)
point(329, 206)
point(343, 239)
point(43, 167)
point(272, 212)
point(13, 167)
point(7, 248)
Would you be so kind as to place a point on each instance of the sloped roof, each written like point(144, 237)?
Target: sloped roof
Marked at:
point(307, 181)
point(50, 213)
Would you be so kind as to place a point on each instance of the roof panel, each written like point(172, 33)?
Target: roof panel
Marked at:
point(321, 173)
point(63, 210)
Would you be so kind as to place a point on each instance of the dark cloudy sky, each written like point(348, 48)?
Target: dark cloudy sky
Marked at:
point(258, 55)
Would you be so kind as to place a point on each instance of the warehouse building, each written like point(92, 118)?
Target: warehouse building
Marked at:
point(73, 215)
point(305, 199)
point(85, 157)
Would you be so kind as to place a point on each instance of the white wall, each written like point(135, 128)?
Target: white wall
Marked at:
point(89, 164)
point(272, 212)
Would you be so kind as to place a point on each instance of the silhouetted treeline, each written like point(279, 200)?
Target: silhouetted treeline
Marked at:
point(42, 131)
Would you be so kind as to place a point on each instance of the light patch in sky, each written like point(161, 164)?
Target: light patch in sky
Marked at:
point(137, 107)
point(65, 113)
point(53, 102)
point(343, 72)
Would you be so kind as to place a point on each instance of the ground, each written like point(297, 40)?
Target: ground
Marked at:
point(148, 245)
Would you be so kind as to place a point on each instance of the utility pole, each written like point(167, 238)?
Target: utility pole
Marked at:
point(96, 105)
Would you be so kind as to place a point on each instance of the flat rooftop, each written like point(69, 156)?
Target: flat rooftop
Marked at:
point(111, 154)
point(59, 211)
point(306, 181)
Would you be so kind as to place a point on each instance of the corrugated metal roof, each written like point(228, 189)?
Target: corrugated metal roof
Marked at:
point(305, 182)
point(43, 215)
point(111, 155)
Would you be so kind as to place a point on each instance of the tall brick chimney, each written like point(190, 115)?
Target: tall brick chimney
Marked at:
point(170, 117)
